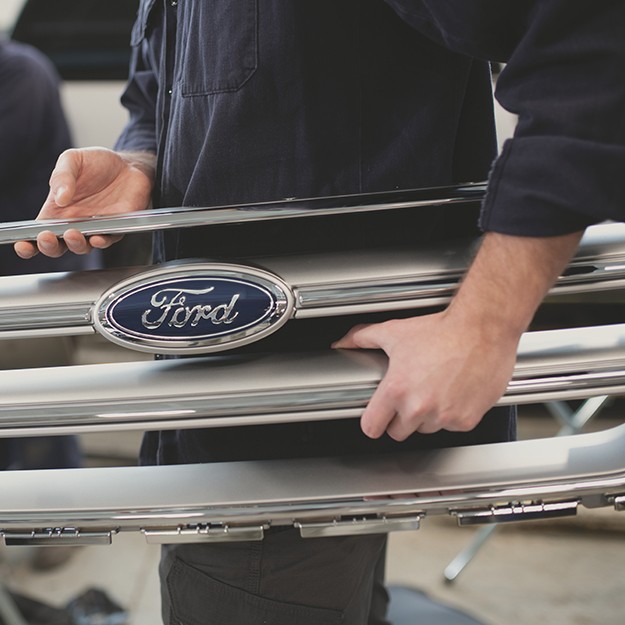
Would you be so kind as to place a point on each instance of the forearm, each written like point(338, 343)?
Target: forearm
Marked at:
point(508, 280)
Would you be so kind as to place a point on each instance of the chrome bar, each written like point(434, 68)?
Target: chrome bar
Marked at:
point(355, 525)
point(53, 304)
point(204, 533)
point(550, 474)
point(187, 217)
point(515, 511)
point(203, 392)
point(50, 537)
point(329, 284)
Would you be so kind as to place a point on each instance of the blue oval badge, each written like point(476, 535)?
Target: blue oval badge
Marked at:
point(194, 308)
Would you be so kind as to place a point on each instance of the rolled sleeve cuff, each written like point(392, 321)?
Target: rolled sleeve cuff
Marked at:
point(136, 140)
point(549, 186)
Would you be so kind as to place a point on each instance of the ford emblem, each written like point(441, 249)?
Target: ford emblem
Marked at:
point(193, 308)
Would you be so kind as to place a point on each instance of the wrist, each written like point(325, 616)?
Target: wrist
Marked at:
point(486, 323)
point(143, 161)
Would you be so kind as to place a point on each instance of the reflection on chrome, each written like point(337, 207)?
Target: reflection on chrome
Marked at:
point(186, 217)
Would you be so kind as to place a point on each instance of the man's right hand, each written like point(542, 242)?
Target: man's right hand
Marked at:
point(91, 182)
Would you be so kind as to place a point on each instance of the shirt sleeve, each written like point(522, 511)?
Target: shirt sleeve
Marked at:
point(564, 79)
point(141, 92)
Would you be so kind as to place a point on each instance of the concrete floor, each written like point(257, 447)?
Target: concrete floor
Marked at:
point(547, 573)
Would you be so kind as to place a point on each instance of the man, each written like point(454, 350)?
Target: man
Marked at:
point(251, 101)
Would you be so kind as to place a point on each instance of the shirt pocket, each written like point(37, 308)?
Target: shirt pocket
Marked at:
point(219, 45)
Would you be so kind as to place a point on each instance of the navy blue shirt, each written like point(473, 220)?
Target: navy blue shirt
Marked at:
point(327, 97)
point(300, 100)
point(564, 79)
point(260, 100)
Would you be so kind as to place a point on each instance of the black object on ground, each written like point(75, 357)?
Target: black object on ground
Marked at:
point(38, 613)
point(95, 607)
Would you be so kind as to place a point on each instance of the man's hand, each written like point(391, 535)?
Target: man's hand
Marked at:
point(446, 370)
point(91, 182)
point(441, 375)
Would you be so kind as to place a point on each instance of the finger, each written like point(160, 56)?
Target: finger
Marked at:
point(366, 336)
point(399, 430)
point(50, 245)
point(25, 249)
point(348, 341)
point(76, 242)
point(403, 427)
point(430, 426)
point(63, 178)
point(378, 414)
point(102, 241)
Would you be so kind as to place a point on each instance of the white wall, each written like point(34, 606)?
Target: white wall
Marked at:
point(95, 115)
point(8, 12)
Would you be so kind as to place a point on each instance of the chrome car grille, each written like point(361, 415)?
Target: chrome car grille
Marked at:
point(239, 500)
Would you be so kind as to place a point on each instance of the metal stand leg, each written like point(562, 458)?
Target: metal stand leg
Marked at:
point(455, 567)
point(572, 422)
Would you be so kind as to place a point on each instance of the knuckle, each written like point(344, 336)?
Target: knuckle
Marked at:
point(395, 388)
point(458, 422)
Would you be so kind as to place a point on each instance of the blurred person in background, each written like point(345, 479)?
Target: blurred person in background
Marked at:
point(33, 132)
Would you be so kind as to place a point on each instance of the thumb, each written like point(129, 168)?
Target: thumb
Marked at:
point(64, 176)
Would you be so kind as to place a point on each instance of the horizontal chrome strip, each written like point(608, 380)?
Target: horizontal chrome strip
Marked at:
point(400, 278)
point(551, 474)
point(203, 392)
point(328, 284)
point(186, 217)
point(52, 304)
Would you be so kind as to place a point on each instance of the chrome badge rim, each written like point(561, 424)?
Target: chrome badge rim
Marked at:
point(193, 308)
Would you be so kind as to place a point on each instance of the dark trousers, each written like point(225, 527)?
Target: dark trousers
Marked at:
point(281, 580)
